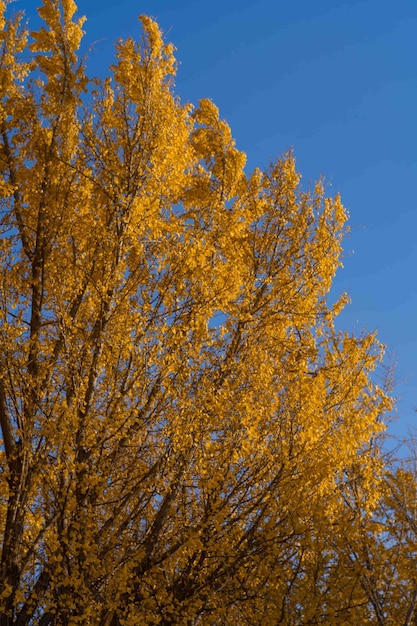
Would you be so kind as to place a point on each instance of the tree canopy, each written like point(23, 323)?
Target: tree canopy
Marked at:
point(186, 436)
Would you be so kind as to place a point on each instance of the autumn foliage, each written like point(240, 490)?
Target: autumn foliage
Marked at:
point(186, 438)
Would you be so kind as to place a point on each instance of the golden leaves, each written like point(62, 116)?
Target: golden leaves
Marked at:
point(186, 419)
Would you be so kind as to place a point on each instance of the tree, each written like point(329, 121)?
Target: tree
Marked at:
point(180, 419)
point(380, 548)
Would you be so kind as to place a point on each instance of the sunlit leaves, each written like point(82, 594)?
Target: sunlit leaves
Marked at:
point(182, 425)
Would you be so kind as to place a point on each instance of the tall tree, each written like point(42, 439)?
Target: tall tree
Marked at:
point(180, 418)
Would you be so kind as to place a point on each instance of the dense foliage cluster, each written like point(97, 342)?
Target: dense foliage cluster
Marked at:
point(186, 438)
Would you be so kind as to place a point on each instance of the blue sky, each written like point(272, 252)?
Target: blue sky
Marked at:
point(334, 80)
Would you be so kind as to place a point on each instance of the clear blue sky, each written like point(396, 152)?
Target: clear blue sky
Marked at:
point(336, 81)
